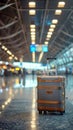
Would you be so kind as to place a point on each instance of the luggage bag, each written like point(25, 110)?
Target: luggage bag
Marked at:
point(51, 94)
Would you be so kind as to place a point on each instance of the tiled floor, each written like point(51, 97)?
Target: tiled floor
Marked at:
point(18, 107)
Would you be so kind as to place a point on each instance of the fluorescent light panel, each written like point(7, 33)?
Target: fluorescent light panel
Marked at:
point(32, 4)
point(32, 26)
point(3, 47)
point(52, 26)
point(50, 33)
point(54, 21)
point(46, 42)
point(32, 38)
point(32, 29)
point(58, 12)
point(12, 55)
point(51, 29)
point(32, 12)
point(32, 33)
point(61, 4)
point(15, 58)
point(48, 36)
point(33, 42)
point(10, 58)
point(8, 52)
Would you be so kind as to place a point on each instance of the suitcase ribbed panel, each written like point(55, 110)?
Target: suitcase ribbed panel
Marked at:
point(51, 93)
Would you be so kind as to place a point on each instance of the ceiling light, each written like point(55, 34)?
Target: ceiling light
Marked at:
point(33, 33)
point(50, 33)
point(3, 106)
point(9, 52)
point(46, 42)
point(33, 42)
point(32, 26)
point(16, 58)
point(10, 58)
point(48, 36)
point(54, 21)
point(33, 57)
point(58, 12)
point(32, 30)
point(32, 38)
point(61, 4)
point(32, 12)
point(12, 55)
point(3, 47)
point(32, 4)
point(53, 26)
point(51, 29)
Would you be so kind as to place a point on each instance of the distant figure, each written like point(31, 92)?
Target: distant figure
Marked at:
point(2, 72)
point(33, 73)
point(19, 72)
point(5, 72)
point(66, 71)
point(66, 76)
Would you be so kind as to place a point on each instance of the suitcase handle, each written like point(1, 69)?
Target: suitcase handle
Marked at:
point(49, 92)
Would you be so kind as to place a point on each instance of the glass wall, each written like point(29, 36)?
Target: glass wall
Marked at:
point(64, 60)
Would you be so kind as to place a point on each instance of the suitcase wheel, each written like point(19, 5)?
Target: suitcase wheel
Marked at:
point(45, 112)
point(61, 113)
point(64, 111)
point(40, 112)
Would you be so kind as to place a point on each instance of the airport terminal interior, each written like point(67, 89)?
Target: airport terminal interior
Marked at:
point(36, 64)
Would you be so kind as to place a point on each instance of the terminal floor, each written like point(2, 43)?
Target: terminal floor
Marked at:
point(18, 107)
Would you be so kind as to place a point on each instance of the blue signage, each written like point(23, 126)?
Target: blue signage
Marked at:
point(38, 48)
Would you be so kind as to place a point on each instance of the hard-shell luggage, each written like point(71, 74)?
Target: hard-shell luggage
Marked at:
point(51, 94)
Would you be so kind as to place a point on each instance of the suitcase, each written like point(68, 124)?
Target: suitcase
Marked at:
point(51, 94)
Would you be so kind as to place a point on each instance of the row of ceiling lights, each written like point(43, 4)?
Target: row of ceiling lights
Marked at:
point(33, 37)
point(32, 27)
point(8, 52)
point(33, 5)
point(52, 27)
point(54, 21)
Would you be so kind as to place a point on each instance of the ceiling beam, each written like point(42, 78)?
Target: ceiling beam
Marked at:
point(43, 9)
point(44, 18)
point(61, 28)
point(21, 23)
point(8, 25)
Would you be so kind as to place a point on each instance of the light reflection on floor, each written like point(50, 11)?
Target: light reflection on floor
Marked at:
point(27, 81)
point(18, 104)
point(30, 81)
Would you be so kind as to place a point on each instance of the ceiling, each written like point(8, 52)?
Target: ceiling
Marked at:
point(15, 24)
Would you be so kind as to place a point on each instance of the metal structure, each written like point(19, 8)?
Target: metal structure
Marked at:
point(15, 28)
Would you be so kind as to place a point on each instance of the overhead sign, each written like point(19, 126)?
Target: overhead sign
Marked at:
point(38, 48)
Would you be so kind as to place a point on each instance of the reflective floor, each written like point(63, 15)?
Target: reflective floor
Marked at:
point(18, 107)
